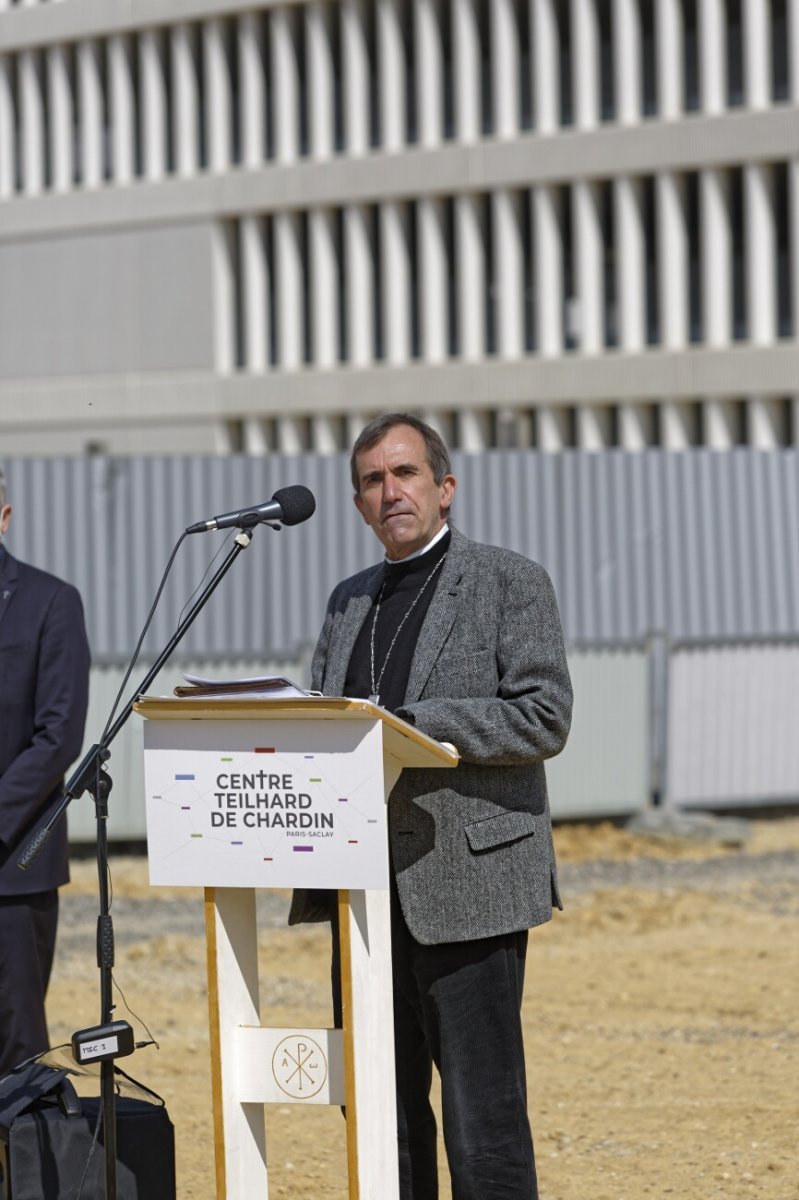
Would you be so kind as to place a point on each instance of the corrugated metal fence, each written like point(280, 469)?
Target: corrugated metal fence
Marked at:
point(727, 737)
point(733, 723)
point(655, 558)
point(603, 771)
point(696, 544)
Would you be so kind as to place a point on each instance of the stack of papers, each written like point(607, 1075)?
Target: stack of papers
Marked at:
point(274, 687)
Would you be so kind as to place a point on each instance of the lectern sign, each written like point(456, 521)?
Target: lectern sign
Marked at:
point(249, 793)
point(232, 805)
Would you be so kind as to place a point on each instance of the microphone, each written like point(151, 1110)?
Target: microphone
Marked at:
point(289, 505)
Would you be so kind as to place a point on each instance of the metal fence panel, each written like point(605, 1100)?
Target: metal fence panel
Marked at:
point(733, 716)
point(604, 770)
point(733, 712)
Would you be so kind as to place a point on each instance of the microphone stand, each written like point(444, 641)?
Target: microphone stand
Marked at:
point(91, 776)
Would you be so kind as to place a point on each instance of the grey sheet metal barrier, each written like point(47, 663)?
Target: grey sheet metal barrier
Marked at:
point(603, 771)
point(733, 723)
point(700, 544)
point(697, 725)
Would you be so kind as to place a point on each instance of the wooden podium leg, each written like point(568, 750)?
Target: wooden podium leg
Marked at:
point(368, 1016)
point(239, 1133)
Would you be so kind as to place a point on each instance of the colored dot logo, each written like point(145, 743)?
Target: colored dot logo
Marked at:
point(299, 1067)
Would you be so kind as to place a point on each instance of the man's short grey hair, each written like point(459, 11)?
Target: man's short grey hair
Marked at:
point(2, 486)
point(435, 449)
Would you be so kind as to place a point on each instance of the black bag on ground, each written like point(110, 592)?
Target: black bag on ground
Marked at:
point(47, 1133)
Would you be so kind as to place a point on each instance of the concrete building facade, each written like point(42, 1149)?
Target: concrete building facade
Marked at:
point(246, 227)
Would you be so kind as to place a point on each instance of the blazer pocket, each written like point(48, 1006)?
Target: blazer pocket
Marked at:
point(464, 675)
point(500, 830)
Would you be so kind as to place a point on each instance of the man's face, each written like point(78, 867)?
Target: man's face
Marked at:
point(398, 496)
point(5, 517)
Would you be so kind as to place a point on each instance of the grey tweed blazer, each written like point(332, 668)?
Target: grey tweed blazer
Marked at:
point(471, 846)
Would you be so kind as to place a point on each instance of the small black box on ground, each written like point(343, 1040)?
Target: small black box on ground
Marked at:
point(46, 1134)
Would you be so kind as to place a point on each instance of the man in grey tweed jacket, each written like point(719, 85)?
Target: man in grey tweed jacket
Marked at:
point(471, 652)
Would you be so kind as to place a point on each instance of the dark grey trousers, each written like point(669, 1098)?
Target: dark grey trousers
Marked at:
point(458, 1006)
point(27, 944)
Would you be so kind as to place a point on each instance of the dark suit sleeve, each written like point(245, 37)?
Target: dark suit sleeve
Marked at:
point(518, 701)
point(61, 691)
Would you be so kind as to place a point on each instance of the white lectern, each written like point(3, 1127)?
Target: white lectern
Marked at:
point(246, 793)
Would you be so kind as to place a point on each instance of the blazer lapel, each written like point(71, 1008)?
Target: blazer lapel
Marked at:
point(440, 617)
point(352, 620)
point(8, 583)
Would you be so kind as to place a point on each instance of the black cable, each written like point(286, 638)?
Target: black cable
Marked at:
point(208, 570)
point(142, 636)
point(91, 1150)
point(136, 1017)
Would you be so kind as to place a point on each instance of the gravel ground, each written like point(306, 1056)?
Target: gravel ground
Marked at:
point(774, 874)
point(135, 919)
point(659, 1017)
point(768, 881)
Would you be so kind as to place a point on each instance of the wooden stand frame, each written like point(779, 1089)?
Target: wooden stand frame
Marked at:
point(253, 1064)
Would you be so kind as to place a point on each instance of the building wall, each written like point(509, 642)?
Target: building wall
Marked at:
point(549, 223)
point(102, 303)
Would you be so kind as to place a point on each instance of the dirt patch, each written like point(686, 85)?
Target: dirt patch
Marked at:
point(661, 1023)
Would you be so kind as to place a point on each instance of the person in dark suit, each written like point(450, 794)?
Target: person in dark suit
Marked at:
point(44, 684)
point(463, 641)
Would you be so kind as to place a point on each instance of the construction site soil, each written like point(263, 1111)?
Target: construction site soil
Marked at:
point(660, 1013)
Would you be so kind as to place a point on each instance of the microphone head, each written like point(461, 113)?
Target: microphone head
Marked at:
point(296, 502)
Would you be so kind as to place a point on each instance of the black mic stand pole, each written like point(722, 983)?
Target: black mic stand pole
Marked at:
point(91, 776)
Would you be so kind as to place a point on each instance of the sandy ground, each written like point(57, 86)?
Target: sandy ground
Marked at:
point(661, 1020)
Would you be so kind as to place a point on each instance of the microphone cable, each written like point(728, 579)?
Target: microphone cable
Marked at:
point(142, 635)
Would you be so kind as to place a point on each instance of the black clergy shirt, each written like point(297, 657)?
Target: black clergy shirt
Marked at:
point(402, 583)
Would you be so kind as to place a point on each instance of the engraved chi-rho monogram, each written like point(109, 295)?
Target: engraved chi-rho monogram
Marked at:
point(299, 1067)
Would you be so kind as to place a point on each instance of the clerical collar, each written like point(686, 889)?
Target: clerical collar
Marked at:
point(397, 562)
